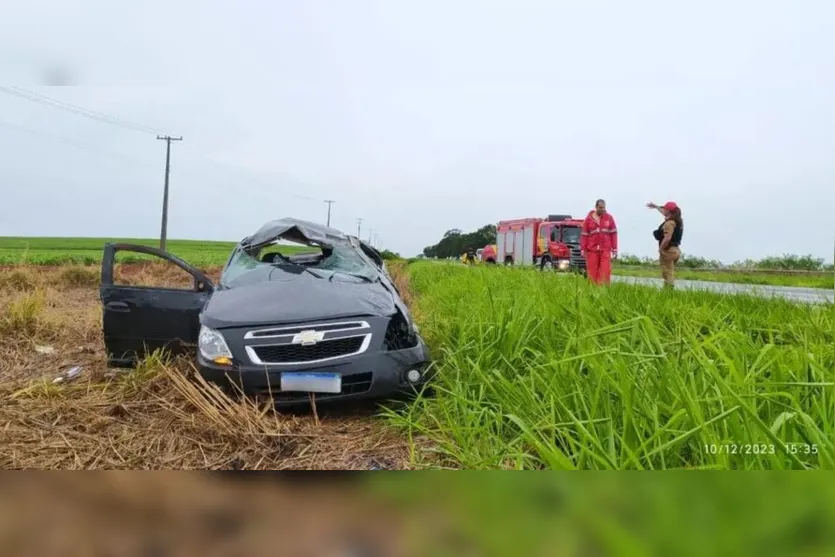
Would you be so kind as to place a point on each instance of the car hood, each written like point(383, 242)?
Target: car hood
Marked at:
point(293, 301)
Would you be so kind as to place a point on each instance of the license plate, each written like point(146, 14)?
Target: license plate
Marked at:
point(310, 382)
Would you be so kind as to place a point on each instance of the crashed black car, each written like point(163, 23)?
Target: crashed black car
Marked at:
point(281, 324)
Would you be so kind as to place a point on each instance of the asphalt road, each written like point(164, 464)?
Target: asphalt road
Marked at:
point(794, 293)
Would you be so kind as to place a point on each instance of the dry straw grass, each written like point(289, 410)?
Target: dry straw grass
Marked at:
point(158, 416)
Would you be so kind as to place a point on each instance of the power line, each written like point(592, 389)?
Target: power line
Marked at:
point(71, 142)
point(125, 124)
point(113, 120)
point(197, 173)
point(81, 111)
point(109, 119)
point(240, 172)
point(117, 157)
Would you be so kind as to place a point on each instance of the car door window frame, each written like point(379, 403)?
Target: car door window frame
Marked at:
point(201, 283)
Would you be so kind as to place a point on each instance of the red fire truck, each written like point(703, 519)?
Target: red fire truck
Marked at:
point(550, 243)
point(487, 254)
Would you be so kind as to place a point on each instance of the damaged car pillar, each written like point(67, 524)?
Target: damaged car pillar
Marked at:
point(320, 317)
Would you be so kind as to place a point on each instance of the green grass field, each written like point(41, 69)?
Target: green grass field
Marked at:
point(88, 251)
point(537, 371)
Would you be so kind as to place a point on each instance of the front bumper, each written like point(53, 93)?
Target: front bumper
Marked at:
point(371, 375)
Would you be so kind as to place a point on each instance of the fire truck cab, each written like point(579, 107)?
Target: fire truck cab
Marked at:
point(550, 243)
point(488, 254)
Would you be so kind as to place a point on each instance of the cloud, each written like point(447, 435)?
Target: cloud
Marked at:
point(423, 117)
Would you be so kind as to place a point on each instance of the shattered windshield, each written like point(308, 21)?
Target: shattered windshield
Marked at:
point(279, 261)
point(571, 234)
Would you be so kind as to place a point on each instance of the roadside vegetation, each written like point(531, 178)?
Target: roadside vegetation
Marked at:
point(540, 371)
point(534, 371)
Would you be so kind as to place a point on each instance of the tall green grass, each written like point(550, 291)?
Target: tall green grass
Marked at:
point(545, 371)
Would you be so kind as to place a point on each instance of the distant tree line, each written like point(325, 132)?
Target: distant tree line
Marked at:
point(389, 255)
point(455, 242)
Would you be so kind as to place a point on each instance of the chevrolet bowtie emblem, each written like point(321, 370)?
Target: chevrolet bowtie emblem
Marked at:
point(308, 338)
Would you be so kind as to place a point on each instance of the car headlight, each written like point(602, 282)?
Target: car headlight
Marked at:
point(564, 264)
point(212, 346)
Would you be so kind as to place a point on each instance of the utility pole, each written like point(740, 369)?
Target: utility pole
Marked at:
point(163, 233)
point(370, 232)
point(329, 202)
point(359, 227)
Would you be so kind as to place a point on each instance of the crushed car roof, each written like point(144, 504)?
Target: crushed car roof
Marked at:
point(296, 230)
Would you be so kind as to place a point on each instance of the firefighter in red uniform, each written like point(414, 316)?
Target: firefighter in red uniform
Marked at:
point(599, 243)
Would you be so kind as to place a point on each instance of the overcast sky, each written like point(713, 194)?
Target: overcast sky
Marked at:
point(423, 116)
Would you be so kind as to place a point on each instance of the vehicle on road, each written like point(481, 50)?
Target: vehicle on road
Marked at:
point(488, 254)
point(285, 325)
point(552, 243)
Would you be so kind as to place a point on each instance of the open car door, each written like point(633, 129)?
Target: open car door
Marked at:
point(140, 319)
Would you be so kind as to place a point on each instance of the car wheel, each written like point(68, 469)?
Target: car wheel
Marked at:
point(547, 264)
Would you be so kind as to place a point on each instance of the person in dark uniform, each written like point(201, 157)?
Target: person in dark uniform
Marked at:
point(669, 236)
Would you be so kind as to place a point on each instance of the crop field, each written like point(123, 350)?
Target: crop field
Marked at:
point(534, 371)
point(88, 251)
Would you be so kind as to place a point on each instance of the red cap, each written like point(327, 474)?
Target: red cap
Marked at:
point(671, 206)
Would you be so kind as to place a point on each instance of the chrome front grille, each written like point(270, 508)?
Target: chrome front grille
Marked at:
point(308, 343)
point(291, 330)
point(324, 350)
point(577, 261)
